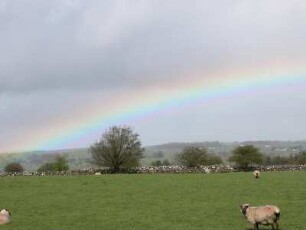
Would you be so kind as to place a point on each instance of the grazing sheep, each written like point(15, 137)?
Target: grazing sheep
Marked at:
point(265, 215)
point(256, 174)
point(4, 216)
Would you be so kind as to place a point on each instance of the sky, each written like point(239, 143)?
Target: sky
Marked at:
point(174, 71)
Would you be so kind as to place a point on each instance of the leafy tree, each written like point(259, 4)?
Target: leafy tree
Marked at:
point(268, 160)
point(279, 160)
point(118, 148)
point(214, 160)
point(60, 164)
point(166, 162)
point(161, 163)
point(297, 159)
point(13, 167)
point(246, 155)
point(193, 157)
point(302, 158)
point(156, 163)
point(47, 167)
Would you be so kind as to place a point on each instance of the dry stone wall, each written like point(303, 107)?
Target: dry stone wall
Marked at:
point(160, 169)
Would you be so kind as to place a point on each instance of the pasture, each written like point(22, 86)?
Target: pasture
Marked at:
point(145, 202)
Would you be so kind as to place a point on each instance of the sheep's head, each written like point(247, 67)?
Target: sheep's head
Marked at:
point(244, 208)
point(5, 212)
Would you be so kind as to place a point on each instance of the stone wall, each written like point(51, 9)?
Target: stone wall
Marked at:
point(160, 169)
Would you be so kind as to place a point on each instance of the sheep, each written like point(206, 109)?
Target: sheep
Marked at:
point(256, 174)
point(265, 215)
point(4, 216)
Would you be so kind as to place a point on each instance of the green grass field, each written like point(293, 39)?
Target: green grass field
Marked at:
point(143, 202)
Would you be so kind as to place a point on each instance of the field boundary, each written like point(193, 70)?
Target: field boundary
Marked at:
point(160, 169)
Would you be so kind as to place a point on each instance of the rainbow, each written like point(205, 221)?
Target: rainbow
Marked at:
point(193, 89)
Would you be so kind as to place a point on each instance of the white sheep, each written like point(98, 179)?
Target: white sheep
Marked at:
point(4, 216)
point(256, 174)
point(265, 215)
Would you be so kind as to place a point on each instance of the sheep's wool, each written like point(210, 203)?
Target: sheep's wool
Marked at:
point(4, 217)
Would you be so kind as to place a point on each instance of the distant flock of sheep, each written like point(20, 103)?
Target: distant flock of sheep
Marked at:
point(265, 215)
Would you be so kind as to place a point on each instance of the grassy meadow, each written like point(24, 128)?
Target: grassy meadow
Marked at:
point(157, 202)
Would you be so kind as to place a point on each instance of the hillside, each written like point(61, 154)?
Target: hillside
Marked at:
point(81, 158)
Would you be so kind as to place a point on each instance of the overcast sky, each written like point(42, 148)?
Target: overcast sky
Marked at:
point(60, 58)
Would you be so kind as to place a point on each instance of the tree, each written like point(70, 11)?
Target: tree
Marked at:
point(302, 158)
point(214, 160)
point(193, 157)
point(246, 155)
point(119, 147)
point(298, 159)
point(166, 162)
point(157, 163)
point(60, 164)
point(161, 163)
point(13, 167)
point(47, 167)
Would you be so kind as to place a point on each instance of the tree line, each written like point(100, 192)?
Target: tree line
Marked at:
point(120, 147)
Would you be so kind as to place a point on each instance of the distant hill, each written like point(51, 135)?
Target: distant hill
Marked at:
point(80, 158)
point(223, 149)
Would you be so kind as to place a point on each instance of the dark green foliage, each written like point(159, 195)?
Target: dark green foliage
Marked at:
point(118, 148)
point(161, 163)
point(297, 159)
point(293, 159)
point(13, 167)
point(244, 156)
point(47, 167)
point(166, 162)
point(59, 165)
point(195, 157)
point(156, 163)
point(214, 160)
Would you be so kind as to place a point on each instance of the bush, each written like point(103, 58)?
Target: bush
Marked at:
point(13, 167)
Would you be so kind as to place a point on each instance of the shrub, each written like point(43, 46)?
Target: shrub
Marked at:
point(13, 167)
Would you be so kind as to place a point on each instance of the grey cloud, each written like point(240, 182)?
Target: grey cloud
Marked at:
point(57, 56)
point(98, 45)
